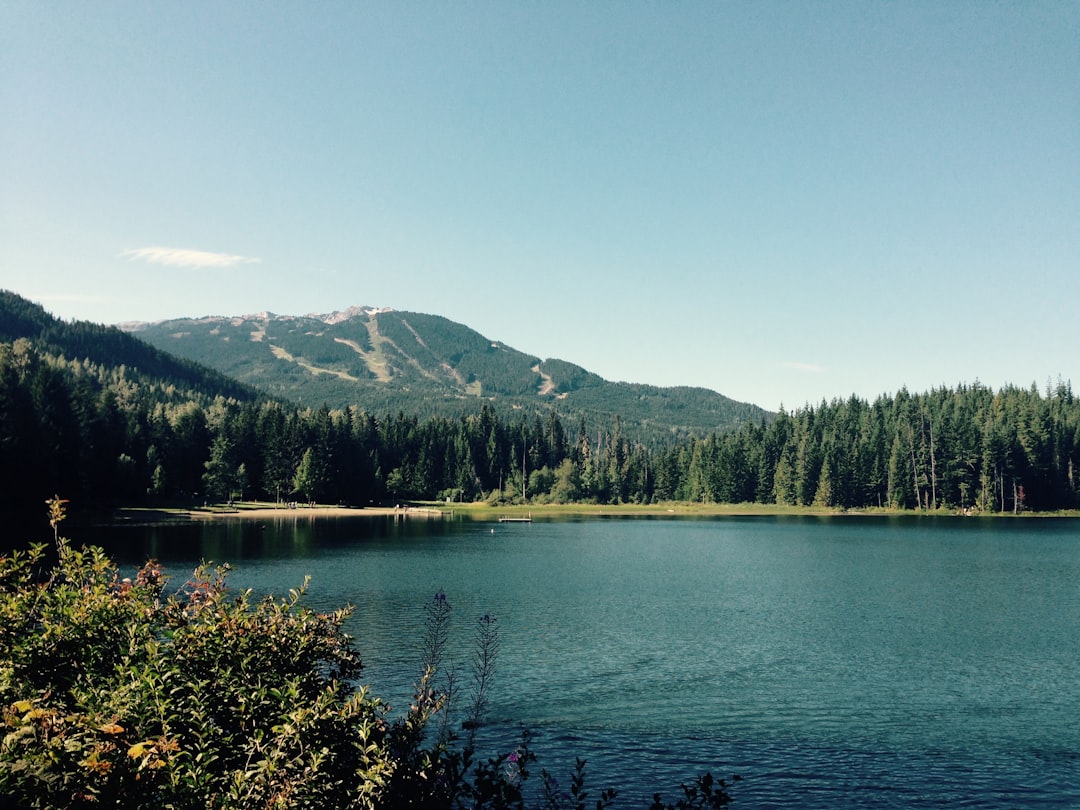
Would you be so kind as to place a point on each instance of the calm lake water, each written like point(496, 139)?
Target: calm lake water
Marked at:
point(831, 662)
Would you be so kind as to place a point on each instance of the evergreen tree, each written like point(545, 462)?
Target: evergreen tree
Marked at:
point(311, 476)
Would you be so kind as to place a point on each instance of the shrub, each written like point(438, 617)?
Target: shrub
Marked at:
point(114, 693)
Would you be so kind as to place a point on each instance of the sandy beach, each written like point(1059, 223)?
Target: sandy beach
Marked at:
point(299, 511)
point(261, 512)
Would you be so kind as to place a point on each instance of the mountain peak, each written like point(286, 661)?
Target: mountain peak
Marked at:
point(340, 316)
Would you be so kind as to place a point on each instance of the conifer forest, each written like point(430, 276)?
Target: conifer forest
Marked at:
point(107, 435)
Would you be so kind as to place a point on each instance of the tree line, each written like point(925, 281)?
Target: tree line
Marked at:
point(111, 435)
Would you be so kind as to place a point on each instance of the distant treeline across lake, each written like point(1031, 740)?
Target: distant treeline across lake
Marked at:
point(106, 435)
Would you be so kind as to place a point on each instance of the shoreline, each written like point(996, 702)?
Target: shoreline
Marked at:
point(485, 511)
point(151, 514)
point(214, 513)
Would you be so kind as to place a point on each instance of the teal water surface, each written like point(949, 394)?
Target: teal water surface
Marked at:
point(832, 662)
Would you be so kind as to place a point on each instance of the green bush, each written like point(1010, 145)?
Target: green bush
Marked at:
point(114, 693)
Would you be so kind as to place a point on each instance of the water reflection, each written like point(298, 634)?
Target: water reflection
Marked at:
point(842, 661)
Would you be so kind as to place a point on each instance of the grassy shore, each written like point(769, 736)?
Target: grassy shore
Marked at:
point(687, 509)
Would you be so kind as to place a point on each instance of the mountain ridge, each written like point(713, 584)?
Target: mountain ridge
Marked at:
point(381, 358)
point(21, 318)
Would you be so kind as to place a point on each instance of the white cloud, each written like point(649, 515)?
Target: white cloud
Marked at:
point(180, 257)
point(72, 298)
point(810, 368)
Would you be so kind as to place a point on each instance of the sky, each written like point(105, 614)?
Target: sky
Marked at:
point(785, 202)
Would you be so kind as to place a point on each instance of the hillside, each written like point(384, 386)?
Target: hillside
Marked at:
point(80, 416)
point(386, 361)
point(113, 348)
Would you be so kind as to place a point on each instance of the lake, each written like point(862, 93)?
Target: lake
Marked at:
point(831, 662)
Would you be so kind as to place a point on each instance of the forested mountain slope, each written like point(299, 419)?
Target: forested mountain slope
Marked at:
point(385, 361)
point(112, 347)
point(77, 405)
point(104, 433)
point(87, 432)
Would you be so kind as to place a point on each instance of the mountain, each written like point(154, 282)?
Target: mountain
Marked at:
point(111, 347)
point(385, 361)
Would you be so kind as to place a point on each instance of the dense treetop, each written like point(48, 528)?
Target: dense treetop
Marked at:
point(113, 435)
point(104, 418)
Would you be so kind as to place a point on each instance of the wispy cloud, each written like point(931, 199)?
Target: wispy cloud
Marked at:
point(809, 368)
point(182, 257)
point(72, 298)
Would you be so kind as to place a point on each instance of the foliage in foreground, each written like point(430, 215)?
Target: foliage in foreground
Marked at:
point(115, 693)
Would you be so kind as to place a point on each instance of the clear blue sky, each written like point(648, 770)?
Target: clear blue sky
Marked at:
point(784, 202)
